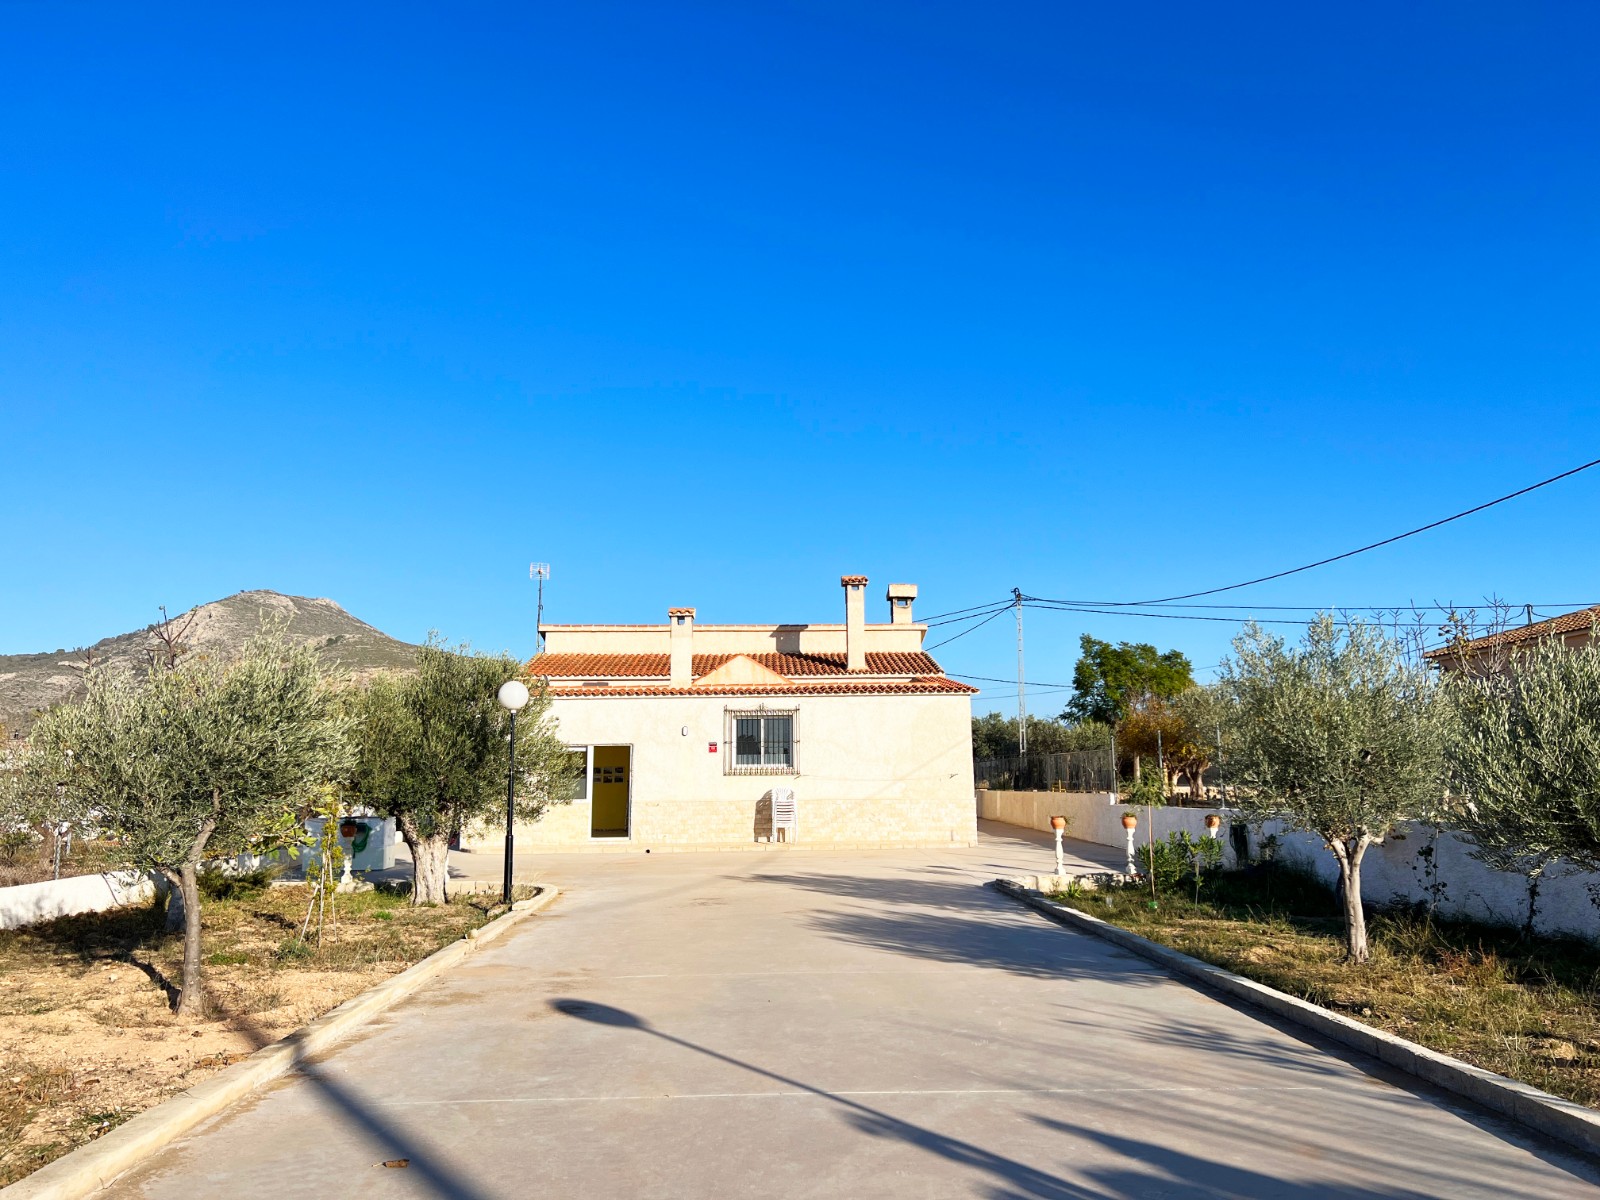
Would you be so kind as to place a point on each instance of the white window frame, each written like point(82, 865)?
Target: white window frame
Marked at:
point(730, 741)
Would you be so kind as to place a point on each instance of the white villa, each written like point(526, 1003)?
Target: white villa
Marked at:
point(685, 731)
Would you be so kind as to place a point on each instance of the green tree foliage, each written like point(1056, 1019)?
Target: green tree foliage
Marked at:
point(1338, 736)
point(995, 736)
point(1110, 681)
point(198, 760)
point(432, 751)
point(1525, 756)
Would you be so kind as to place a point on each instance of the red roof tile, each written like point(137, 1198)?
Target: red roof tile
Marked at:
point(1573, 622)
point(658, 666)
point(932, 686)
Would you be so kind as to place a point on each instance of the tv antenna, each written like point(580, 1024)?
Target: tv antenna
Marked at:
point(539, 572)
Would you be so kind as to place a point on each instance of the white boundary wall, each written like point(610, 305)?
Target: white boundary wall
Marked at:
point(1418, 864)
point(28, 903)
point(1094, 816)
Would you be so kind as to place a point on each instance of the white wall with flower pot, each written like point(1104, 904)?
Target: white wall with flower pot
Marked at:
point(1417, 864)
point(1092, 816)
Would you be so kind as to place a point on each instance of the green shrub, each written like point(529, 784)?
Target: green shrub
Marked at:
point(217, 884)
point(294, 949)
point(1181, 861)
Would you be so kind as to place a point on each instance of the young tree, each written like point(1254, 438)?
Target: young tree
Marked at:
point(1339, 736)
point(1110, 681)
point(196, 760)
point(1525, 758)
point(432, 754)
point(994, 735)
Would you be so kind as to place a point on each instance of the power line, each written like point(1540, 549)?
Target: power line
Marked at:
point(1388, 541)
point(938, 618)
point(1033, 683)
point(982, 611)
point(1162, 616)
point(973, 628)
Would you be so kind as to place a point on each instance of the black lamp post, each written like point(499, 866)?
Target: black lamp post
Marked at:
point(513, 696)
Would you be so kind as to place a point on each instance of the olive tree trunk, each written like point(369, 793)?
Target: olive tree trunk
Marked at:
point(1350, 852)
point(430, 864)
point(191, 1001)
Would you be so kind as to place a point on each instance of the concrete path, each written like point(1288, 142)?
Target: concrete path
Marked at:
point(793, 1024)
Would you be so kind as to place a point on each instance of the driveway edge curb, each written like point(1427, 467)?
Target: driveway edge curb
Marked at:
point(89, 1168)
point(1573, 1124)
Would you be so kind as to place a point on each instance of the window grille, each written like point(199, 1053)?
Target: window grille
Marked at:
point(760, 741)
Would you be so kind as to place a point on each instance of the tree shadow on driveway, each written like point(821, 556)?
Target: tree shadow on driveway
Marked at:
point(964, 924)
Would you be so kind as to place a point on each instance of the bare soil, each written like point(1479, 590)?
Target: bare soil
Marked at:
point(87, 1036)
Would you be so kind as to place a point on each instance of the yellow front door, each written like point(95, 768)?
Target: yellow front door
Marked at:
point(609, 811)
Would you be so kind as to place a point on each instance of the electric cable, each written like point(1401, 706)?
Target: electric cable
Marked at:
point(1388, 541)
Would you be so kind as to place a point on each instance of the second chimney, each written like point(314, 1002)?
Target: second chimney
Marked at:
point(900, 597)
point(855, 622)
point(681, 622)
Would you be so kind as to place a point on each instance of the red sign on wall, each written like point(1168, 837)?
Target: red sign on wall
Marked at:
point(711, 748)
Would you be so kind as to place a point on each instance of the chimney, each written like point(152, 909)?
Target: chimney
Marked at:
point(681, 622)
point(900, 597)
point(855, 621)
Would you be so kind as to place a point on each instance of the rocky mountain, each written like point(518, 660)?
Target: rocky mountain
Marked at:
point(30, 683)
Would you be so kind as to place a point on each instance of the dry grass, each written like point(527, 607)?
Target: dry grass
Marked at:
point(1527, 1008)
point(87, 1038)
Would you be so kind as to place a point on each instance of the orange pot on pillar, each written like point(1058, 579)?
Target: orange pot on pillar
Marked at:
point(1130, 821)
point(1058, 822)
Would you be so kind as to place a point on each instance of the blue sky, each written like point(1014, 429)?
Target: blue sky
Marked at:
point(710, 304)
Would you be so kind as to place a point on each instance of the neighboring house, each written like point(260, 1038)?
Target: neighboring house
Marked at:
point(1572, 629)
point(683, 730)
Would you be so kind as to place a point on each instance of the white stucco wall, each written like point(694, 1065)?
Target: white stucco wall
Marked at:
point(1402, 871)
point(1418, 864)
point(870, 771)
point(1092, 816)
point(28, 903)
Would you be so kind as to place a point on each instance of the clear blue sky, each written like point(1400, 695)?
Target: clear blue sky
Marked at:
point(709, 304)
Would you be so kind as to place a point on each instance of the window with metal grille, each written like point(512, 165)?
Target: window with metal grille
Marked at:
point(760, 743)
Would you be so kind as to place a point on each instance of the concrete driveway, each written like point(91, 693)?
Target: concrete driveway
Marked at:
point(798, 1024)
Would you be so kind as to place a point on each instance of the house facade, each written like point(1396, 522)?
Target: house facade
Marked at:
point(683, 731)
point(1494, 652)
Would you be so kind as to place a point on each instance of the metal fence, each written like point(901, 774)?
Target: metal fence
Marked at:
point(1074, 771)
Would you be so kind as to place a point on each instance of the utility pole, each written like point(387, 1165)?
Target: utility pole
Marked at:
point(539, 572)
point(1022, 700)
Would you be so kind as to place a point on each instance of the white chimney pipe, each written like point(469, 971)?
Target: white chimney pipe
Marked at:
point(681, 622)
point(855, 621)
point(900, 596)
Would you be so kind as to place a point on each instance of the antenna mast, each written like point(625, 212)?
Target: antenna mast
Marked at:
point(539, 572)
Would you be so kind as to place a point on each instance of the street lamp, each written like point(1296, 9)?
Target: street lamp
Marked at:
point(513, 696)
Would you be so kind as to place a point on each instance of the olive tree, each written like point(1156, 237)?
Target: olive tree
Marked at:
point(432, 754)
point(196, 760)
point(1525, 760)
point(1339, 736)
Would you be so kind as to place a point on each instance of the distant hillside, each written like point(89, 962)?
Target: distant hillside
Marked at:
point(32, 682)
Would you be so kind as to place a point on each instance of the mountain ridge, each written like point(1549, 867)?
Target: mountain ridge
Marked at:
point(31, 683)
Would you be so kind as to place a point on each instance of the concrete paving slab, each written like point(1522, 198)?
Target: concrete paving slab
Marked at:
point(826, 1025)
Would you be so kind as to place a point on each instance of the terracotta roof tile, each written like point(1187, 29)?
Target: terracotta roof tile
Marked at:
point(1572, 622)
point(853, 580)
point(647, 666)
point(932, 686)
